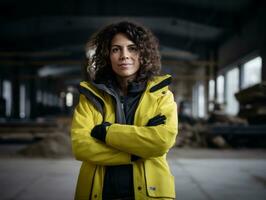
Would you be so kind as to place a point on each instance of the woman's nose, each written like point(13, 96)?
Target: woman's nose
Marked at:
point(124, 54)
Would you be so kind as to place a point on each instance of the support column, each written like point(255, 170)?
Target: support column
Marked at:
point(15, 93)
point(32, 93)
point(263, 67)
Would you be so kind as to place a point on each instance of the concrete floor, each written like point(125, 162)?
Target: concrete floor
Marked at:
point(199, 174)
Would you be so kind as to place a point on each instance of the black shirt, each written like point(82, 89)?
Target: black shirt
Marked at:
point(118, 180)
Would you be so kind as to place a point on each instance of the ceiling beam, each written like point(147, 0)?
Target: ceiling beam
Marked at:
point(138, 8)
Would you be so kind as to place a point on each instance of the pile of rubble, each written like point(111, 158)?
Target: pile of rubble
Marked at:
point(196, 133)
point(252, 102)
point(53, 146)
point(191, 135)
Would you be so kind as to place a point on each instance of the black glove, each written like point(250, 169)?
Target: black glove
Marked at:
point(135, 158)
point(157, 120)
point(99, 131)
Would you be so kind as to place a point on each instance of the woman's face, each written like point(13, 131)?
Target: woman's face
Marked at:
point(124, 56)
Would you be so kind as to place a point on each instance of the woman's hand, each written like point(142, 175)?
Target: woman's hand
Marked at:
point(99, 131)
point(157, 120)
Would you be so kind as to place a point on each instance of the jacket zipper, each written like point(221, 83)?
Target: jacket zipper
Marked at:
point(122, 101)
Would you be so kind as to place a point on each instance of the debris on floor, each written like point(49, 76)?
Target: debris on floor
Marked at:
point(53, 146)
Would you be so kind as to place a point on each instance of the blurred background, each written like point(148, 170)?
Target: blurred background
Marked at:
point(215, 51)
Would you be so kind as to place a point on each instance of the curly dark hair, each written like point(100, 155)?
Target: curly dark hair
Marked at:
point(98, 65)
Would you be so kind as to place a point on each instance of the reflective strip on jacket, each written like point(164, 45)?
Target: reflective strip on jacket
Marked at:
point(152, 176)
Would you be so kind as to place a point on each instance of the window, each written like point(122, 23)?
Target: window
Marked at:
point(22, 101)
point(198, 101)
point(7, 94)
point(201, 101)
point(195, 101)
point(220, 89)
point(251, 72)
point(232, 86)
point(69, 99)
point(211, 90)
point(211, 94)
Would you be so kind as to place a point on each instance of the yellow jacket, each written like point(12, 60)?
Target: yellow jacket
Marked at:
point(152, 176)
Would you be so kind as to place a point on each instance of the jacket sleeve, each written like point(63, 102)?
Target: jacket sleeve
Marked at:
point(86, 148)
point(147, 141)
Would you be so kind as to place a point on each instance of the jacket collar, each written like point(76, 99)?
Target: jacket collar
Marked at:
point(133, 87)
point(94, 93)
point(157, 83)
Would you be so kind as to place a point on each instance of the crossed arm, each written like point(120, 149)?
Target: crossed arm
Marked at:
point(119, 142)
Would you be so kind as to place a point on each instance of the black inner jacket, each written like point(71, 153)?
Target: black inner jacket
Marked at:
point(118, 180)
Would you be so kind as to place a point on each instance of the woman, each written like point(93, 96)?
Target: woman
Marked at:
point(126, 119)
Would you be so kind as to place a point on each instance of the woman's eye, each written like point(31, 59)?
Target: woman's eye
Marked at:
point(132, 49)
point(114, 50)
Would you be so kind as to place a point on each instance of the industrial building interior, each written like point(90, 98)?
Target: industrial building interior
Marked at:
point(214, 50)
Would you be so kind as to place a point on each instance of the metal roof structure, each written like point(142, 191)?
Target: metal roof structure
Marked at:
point(54, 33)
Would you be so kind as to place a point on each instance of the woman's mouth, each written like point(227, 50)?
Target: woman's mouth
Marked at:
point(124, 64)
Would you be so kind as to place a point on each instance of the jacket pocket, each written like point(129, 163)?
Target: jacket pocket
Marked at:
point(160, 183)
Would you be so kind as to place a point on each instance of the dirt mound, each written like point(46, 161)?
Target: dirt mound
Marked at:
point(53, 146)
